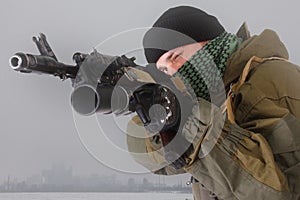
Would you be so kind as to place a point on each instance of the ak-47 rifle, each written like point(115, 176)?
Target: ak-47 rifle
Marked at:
point(102, 83)
point(116, 84)
point(97, 80)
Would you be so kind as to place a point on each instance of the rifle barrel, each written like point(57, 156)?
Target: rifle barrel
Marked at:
point(28, 63)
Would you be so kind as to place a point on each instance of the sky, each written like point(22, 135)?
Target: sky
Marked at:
point(37, 125)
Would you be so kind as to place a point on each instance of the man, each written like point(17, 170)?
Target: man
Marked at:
point(251, 150)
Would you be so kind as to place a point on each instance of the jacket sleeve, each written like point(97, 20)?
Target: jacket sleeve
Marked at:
point(228, 160)
point(269, 103)
point(232, 162)
point(147, 150)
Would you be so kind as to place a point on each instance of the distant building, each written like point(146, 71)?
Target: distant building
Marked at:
point(58, 175)
point(35, 180)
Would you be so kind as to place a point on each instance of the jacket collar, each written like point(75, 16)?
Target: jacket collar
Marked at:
point(267, 44)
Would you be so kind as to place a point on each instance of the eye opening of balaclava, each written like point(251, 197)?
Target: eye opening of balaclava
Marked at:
point(184, 25)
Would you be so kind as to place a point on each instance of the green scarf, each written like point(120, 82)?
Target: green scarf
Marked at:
point(205, 69)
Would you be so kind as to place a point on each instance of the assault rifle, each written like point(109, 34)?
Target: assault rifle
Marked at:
point(93, 75)
point(116, 84)
point(102, 83)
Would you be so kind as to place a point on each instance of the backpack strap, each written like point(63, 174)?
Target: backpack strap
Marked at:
point(236, 86)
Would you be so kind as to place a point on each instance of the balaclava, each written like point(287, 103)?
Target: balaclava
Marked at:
point(184, 25)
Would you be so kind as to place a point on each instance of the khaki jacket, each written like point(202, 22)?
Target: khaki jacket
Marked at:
point(259, 156)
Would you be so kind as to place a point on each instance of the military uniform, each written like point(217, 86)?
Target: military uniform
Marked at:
point(258, 155)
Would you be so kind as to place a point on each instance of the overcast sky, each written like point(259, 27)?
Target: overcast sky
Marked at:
point(37, 127)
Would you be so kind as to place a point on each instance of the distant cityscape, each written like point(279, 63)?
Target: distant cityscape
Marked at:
point(61, 179)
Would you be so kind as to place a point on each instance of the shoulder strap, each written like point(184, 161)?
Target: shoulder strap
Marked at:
point(236, 86)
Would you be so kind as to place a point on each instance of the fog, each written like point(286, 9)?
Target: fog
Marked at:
point(37, 124)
